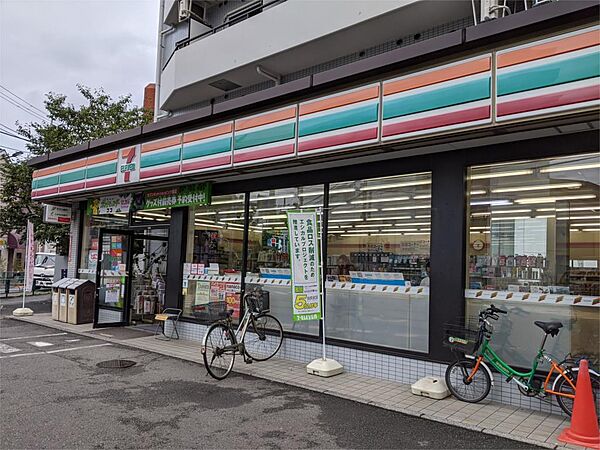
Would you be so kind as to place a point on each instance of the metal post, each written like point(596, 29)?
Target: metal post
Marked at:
point(322, 291)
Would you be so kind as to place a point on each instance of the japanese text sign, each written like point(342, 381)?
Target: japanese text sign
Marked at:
point(197, 194)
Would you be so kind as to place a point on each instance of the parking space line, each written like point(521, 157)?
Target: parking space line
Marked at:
point(40, 344)
point(31, 337)
point(76, 348)
point(5, 348)
point(22, 354)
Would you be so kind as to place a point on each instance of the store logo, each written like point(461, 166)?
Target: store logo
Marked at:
point(128, 164)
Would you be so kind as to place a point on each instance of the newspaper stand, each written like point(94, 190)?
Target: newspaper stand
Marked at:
point(62, 298)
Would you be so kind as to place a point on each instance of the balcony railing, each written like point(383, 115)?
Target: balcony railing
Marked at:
point(234, 18)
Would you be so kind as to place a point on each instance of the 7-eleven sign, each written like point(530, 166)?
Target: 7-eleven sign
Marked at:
point(128, 166)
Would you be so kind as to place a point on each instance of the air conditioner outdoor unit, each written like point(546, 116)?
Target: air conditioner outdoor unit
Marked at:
point(185, 10)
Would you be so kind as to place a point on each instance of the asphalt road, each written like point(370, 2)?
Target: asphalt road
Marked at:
point(39, 303)
point(53, 395)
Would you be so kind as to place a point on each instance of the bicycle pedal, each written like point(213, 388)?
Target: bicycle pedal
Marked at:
point(248, 361)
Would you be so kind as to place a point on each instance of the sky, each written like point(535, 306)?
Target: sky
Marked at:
point(52, 45)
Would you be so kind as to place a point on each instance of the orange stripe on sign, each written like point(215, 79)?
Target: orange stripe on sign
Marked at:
point(437, 76)
point(340, 100)
point(557, 47)
point(265, 119)
point(73, 165)
point(163, 143)
point(47, 171)
point(208, 132)
point(102, 158)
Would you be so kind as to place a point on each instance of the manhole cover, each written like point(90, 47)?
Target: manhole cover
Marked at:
point(116, 364)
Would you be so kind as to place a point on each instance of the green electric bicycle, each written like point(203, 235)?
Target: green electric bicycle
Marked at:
point(470, 378)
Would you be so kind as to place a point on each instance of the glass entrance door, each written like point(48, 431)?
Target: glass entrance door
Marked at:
point(112, 278)
point(149, 272)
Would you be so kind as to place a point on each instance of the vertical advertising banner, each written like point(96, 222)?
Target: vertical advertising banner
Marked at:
point(304, 261)
point(29, 258)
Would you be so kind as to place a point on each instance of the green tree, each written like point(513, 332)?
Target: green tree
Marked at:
point(68, 125)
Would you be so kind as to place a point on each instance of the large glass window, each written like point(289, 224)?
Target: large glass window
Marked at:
point(534, 240)
point(89, 241)
point(378, 261)
point(213, 263)
point(268, 246)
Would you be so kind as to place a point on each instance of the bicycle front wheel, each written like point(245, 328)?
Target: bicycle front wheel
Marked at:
point(562, 386)
point(473, 390)
point(218, 351)
point(263, 337)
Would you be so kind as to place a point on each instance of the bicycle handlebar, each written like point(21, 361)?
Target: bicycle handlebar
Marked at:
point(497, 310)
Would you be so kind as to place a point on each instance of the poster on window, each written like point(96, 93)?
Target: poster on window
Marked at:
point(304, 261)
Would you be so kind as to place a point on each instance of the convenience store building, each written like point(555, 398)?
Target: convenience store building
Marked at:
point(456, 174)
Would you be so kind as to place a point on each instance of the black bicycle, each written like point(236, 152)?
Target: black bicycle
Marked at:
point(258, 336)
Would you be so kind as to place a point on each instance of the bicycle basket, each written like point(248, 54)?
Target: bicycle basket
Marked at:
point(258, 301)
point(210, 311)
point(461, 339)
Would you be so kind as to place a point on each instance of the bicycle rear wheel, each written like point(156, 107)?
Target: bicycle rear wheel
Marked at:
point(472, 391)
point(564, 387)
point(263, 337)
point(217, 351)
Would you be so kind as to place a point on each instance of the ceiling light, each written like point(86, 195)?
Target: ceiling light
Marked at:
point(271, 216)
point(416, 234)
point(363, 231)
point(512, 173)
point(153, 214)
point(355, 211)
point(478, 192)
point(422, 197)
point(237, 211)
point(579, 218)
point(275, 208)
point(207, 213)
point(395, 185)
point(388, 234)
point(591, 229)
point(229, 219)
point(344, 226)
point(426, 216)
point(397, 230)
point(508, 211)
point(583, 208)
point(389, 218)
point(342, 190)
point(338, 203)
point(584, 224)
point(280, 228)
point(272, 197)
point(480, 228)
point(526, 201)
point(344, 220)
point(538, 187)
point(402, 208)
point(567, 168)
point(371, 224)
point(380, 200)
point(491, 202)
point(272, 223)
point(336, 232)
point(545, 216)
point(356, 234)
point(227, 202)
point(511, 218)
point(310, 194)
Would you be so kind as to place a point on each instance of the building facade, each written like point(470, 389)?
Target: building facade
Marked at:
point(453, 150)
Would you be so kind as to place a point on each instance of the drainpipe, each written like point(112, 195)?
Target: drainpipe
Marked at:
point(270, 75)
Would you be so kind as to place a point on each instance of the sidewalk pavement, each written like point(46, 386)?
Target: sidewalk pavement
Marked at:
point(519, 424)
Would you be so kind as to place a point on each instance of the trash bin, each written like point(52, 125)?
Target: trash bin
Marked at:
point(62, 295)
point(56, 298)
point(80, 299)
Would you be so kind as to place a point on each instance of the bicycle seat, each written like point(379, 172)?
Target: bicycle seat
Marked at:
point(230, 313)
point(551, 328)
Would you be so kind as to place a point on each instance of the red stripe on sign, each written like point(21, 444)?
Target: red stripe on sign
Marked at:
point(263, 154)
point(102, 182)
point(150, 173)
point(206, 163)
point(549, 100)
point(64, 219)
point(48, 191)
point(339, 139)
point(442, 120)
point(72, 187)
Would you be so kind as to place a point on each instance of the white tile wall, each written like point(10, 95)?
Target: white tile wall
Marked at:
point(387, 367)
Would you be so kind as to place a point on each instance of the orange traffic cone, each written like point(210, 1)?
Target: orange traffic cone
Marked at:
point(584, 422)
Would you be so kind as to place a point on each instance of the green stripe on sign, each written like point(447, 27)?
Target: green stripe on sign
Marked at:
point(72, 176)
point(47, 182)
point(100, 171)
point(158, 158)
point(266, 136)
point(439, 98)
point(206, 148)
point(559, 72)
point(335, 121)
point(34, 184)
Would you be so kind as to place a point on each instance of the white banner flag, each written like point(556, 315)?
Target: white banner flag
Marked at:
point(29, 257)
